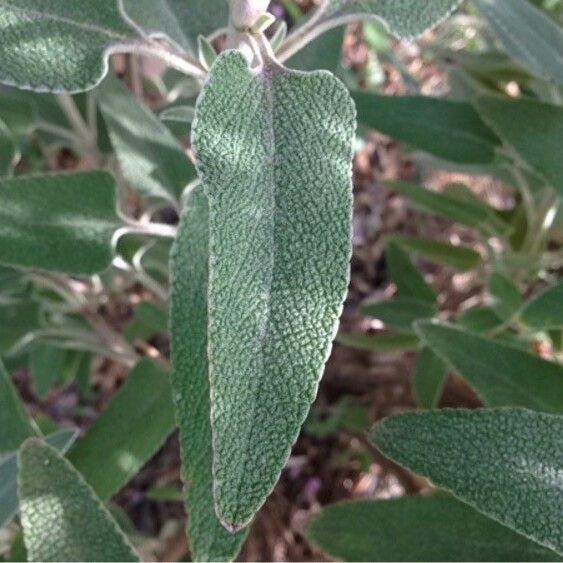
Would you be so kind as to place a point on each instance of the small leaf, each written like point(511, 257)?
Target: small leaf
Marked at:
point(46, 363)
point(60, 222)
point(429, 378)
point(151, 158)
point(449, 130)
point(400, 313)
point(440, 529)
point(182, 22)
point(532, 128)
point(382, 342)
point(501, 374)
point(506, 296)
point(9, 504)
point(61, 517)
point(406, 276)
point(121, 440)
point(18, 113)
point(190, 382)
point(206, 52)
point(544, 311)
point(529, 36)
point(279, 36)
point(506, 463)
point(182, 114)
point(56, 45)
point(471, 213)
point(148, 320)
point(462, 258)
point(16, 321)
point(8, 150)
point(279, 261)
point(15, 424)
point(479, 319)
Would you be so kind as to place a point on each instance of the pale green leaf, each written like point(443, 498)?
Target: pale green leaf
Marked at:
point(439, 527)
point(506, 463)
point(507, 299)
point(15, 424)
point(545, 311)
point(62, 518)
point(151, 158)
point(181, 21)
point(280, 245)
point(502, 374)
point(400, 313)
point(8, 150)
point(529, 36)
point(128, 432)
point(55, 45)
point(430, 375)
point(60, 222)
point(9, 503)
point(406, 276)
point(380, 342)
point(532, 128)
point(449, 130)
point(181, 114)
point(190, 382)
point(462, 258)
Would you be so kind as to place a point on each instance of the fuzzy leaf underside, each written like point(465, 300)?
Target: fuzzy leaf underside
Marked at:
point(58, 222)
point(56, 45)
point(278, 180)
point(506, 463)
point(62, 518)
point(190, 382)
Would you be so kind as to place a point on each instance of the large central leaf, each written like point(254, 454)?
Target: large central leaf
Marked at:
point(275, 151)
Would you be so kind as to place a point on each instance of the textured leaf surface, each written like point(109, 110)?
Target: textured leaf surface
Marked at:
point(440, 528)
point(406, 276)
point(545, 310)
point(9, 502)
point(501, 374)
point(400, 313)
point(462, 258)
point(534, 130)
point(190, 381)
point(62, 222)
point(181, 21)
point(429, 378)
point(280, 205)
point(529, 36)
point(128, 432)
point(507, 463)
point(55, 45)
point(151, 158)
point(450, 130)
point(62, 518)
point(15, 424)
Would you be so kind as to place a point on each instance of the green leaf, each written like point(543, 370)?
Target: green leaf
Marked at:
point(529, 36)
point(16, 321)
point(9, 504)
point(440, 528)
point(190, 382)
point(57, 45)
point(16, 112)
point(128, 432)
point(471, 213)
point(382, 342)
point(532, 128)
point(501, 374)
point(406, 276)
point(148, 320)
point(506, 296)
point(279, 260)
point(400, 313)
point(15, 424)
point(322, 53)
point(449, 130)
point(62, 518)
point(506, 463)
point(182, 22)
point(460, 257)
point(8, 150)
point(151, 158)
point(429, 378)
point(46, 363)
point(479, 319)
point(62, 222)
point(181, 114)
point(545, 311)
point(403, 17)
